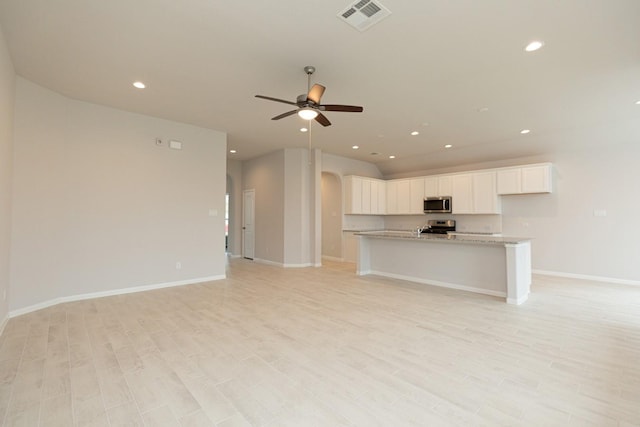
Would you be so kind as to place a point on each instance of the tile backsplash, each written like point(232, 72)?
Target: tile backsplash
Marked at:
point(466, 223)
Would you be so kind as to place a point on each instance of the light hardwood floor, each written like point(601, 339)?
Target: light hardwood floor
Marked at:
point(323, 347)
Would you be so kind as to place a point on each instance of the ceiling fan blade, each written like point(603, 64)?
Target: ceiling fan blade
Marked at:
point(283, 115)
point(344, 108)
point(322, 119)
point(275, 99)
point(315, 93)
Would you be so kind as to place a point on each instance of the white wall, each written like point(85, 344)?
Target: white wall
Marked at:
point(265, 175)
point(98, 207)
point(568, 238)
point(234, 172)
point(297, 191)
point(7, 98)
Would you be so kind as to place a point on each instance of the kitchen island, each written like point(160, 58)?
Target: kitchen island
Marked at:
point(491, 265)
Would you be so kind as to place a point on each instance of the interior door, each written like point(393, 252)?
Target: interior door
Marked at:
point(248, 222)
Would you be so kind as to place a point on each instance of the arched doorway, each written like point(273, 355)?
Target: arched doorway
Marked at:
point(331, 189)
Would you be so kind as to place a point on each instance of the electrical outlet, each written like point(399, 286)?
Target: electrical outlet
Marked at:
point(178, 265)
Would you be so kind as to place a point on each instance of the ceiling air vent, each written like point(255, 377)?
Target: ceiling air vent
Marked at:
point(363, 14)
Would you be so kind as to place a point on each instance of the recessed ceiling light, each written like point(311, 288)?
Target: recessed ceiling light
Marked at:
point(303, 129)
point(448, 146)
point(533, 46)
point(392, 157)
point(415, 132)
point(483, 109)
point(525, 131)
point(233, 151)
point(139, 85)
point(355, 147)
point(637, 102)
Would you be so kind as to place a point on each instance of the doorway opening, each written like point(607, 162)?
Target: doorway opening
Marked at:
point(331, 189)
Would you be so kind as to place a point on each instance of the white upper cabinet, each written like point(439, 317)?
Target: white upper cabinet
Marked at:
point(378, 197)
point(417, 196)
point(475, 193)
point(462, 194)
point(536, 179)
point(405, 196)
point(485, 195)
point(364, 196)
point(525, 179)
point(445, 185)
point(392, 197)
point(437, 186)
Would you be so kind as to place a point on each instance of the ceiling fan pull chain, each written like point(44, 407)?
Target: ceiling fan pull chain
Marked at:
point(310, 142)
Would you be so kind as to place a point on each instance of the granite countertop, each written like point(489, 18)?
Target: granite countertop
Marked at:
point(450, 238)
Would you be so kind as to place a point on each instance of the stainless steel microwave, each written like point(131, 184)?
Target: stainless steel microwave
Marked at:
point(437, 204)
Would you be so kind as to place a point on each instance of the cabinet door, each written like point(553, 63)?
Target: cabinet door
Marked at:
point(382, 197)
point(462, 194)
point(536, 179)
point(374, 197)
point(404, 197)
point(445, 186)
point(417, 196)
point(392, 197)
point(431, 187)
point(366, 196)
point(485, 196)
point(509, 181)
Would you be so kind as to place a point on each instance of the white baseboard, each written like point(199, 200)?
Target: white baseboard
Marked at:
point(3, 324)
point(230, 255)
point(441, 284)
point(101, 294)
point(308, 264)
point(267, 262)
point(332, 258)
point(282, 265)
point(587, 277)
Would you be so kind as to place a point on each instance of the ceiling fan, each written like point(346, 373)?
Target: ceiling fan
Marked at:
point(308, 105)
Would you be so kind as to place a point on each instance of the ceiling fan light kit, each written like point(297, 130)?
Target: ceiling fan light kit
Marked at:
point(307, 114)
point(309, 106)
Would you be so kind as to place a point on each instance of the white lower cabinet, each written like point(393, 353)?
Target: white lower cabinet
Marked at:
point(349, 246)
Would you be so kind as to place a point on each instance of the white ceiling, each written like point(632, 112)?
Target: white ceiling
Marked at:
point(430, 66)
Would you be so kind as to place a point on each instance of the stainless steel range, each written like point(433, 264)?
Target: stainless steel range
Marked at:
point(439, 226)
